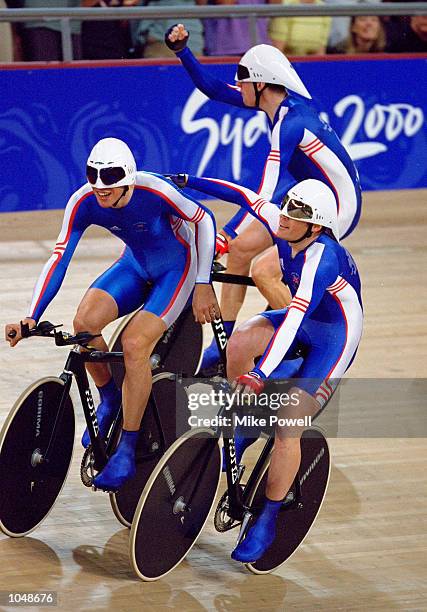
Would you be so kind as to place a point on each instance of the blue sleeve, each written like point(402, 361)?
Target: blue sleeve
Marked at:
point(212, 87)
point(53, 273)
point(246, 198)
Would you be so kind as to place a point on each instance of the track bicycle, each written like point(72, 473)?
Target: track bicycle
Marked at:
point(178, 351)
point(36, 444)
point(181, 491)
point(37, 437)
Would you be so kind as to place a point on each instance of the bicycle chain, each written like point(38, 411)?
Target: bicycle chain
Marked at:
point(86, 467)
point(222, 520)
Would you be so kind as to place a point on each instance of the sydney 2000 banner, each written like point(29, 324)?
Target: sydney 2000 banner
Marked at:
point(51, 117)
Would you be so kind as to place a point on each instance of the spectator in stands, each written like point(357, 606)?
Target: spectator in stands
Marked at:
point(300, 35)
point(106, 39)
point(340, 25)
point(148, 35)
point(366, 35)
point(408, 36)
point(233, 36)
point(41, 40)
point(6, 41)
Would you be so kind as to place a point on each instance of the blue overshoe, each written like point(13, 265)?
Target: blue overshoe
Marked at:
point(258, 540)
point(210, 357)
point(118, 470)
point(121, 465)
point(105, 414)
point(260, 536)
point(111, 399)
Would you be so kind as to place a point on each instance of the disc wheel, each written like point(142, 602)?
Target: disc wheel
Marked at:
point(29, 485)
point(297, 515)
point(175, 504)
point(170, 401)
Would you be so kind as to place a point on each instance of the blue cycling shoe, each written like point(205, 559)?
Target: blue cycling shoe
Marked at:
point(121, 465)
point(111, 399)
point(210, 357)
point(260, 537)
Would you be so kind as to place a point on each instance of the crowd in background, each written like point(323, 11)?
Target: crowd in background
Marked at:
point(41, 40)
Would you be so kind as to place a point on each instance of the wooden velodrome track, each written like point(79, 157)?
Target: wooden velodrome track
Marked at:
point(368, 548)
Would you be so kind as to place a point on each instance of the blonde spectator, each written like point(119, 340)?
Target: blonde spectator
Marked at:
point(300, 35)
point(366, 35)
point(341, 25)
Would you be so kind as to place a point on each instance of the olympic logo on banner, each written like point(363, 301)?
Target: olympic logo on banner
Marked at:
point(381, 124)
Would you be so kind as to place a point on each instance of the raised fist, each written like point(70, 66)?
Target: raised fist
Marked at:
point(176, 37)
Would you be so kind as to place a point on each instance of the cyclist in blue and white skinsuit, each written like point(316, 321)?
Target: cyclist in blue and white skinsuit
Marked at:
point(159, 269)
point(302, 147)
point(325, 316)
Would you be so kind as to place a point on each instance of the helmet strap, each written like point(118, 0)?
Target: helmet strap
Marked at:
point(258, 93)
point(307, 234)
point(124, 192)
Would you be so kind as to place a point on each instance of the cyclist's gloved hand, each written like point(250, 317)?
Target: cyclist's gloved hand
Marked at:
point(13, 331)
point(221, 246)
point(248, 385)
point(180, 180)
point(176, 37)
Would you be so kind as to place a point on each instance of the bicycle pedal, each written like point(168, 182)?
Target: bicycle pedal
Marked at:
point(104, 490)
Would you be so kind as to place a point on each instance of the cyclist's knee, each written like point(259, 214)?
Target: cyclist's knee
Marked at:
point(137, 347)
point(88, 321)
point(287, 442)
point(239, 344)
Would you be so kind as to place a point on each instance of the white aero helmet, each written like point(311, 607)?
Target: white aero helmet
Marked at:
point(266, 64)
point(111, 164)
point(312, 201)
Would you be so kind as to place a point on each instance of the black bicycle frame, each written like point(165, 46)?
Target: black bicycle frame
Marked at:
point(237, 501)
point(75, 366)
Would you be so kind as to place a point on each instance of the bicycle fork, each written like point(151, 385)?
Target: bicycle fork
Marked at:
point(38, 458)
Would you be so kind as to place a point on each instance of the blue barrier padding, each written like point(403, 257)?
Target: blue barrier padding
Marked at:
point(50, 119)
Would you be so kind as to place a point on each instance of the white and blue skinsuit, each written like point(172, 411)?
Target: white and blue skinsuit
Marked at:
point(325, 314)
point(161, 261)
point(302, 147)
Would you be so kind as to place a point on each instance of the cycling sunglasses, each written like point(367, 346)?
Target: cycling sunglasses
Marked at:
point(297, 210)
point(242, 73)
point(109, 176)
